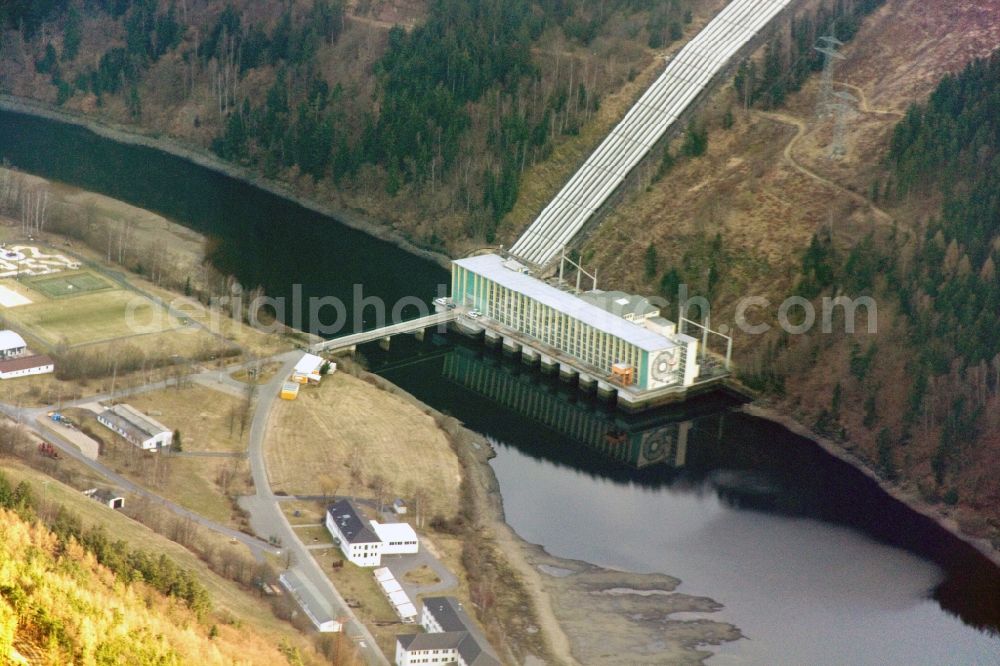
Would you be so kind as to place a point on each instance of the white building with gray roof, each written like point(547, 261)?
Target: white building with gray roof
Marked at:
point(357, 540)
point(137, 428)
point(452, 636)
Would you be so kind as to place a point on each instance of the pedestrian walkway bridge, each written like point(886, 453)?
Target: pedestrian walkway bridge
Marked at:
point(410, 326)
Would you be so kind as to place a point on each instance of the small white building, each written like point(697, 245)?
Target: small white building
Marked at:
point(309, 369)
point(397, 538)
point(22, 366)
point(399, 506)
point(358, 542)
point(107, 497)
point(138, 429)
point(12, 345)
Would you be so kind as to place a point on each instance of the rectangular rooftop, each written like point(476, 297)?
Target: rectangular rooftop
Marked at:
point(492, 267)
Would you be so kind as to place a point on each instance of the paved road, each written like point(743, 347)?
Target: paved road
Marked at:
point(267, 519)
point(410, 326)
point(400, 564)
point(67, 448)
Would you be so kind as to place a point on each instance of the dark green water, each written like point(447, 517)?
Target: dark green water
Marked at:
point(260, 238)
point(811, 560)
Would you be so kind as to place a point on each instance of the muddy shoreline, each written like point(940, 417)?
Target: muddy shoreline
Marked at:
point(571, 597)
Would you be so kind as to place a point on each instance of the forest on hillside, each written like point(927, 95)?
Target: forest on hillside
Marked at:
point(72, 594)
point(950, 292)
point(927, 387)
point(449, 111)
point(791, 57)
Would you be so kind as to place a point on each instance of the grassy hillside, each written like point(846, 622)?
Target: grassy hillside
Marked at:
point(69, 595)
point(442, 105)
point(248, 629)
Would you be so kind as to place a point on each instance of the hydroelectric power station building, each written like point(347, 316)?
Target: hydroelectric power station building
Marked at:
point(595, 336)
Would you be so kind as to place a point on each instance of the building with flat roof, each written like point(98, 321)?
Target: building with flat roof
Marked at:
point(636, 354)
point(450, 632)
point(12, 344)
point(357, 540)
point(393, 591)
point(137, 428)
point(309, 369)
point(397, 538)
point(22, 366)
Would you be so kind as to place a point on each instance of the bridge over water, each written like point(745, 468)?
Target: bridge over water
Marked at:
point(410, 326)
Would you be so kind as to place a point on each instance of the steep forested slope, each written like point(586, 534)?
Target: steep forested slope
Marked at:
point(907, 216)
point(950, 291)
point(70, 594)
point(442, 104)
point(919, 399)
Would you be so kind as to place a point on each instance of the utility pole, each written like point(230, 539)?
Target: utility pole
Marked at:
point(829, 51)
point(843, 109)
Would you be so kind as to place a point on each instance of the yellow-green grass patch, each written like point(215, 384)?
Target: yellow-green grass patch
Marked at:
point(93, 317)
point(311, 512)
point(194, 482)
point(66, 283)
point(208, 420)
point(313, 534)
point(226, 595)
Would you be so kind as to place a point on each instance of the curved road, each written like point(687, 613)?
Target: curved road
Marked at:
point(267, 518)
point(800, 127)
point(256, 545)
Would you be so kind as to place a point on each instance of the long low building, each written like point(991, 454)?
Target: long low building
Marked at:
point(393, 591)
point(137, 428)
point(641, 353)
point(24, 366)
point(312, 605)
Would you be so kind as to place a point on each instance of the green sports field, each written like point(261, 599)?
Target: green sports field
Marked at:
point(61, 285)
point(91, 317)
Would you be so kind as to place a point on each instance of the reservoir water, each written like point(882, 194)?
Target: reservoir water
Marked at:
point(811, 560)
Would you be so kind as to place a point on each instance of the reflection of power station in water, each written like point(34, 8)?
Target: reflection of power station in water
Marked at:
point(638, 446)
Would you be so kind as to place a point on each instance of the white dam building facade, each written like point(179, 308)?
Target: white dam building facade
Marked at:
point(634, 356)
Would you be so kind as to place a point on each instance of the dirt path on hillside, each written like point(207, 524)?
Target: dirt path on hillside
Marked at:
point(882, 217)
point(863, 98)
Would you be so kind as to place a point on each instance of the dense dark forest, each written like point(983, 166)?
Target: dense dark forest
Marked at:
point(941, 278)
point(791, 58)
point(464, 53)
point(461, 101)
point(951, 291)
